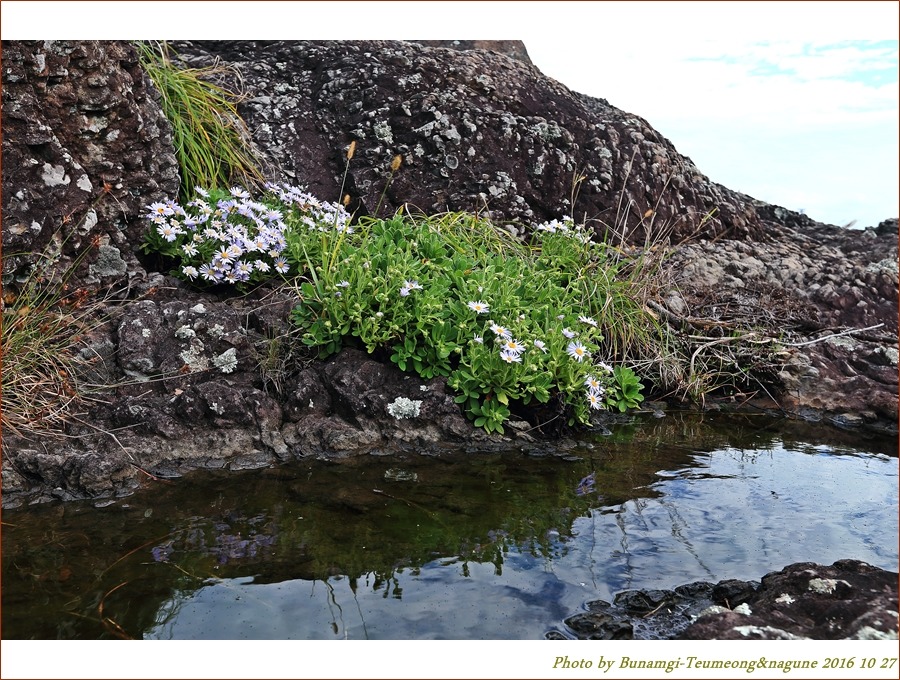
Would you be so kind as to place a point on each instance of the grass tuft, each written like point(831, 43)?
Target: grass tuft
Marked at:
point(43, 385)
point(212, 142)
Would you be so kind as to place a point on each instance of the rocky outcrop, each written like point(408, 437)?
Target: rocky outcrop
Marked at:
point(511, 48)
point(477, 130)
point(817, 284)
point(85, 148)
point(804, 601)
point(204, 379)
point(480, 130)
point(206, 386)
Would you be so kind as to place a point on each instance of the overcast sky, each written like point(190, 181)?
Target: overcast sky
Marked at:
point(794, 103)
point(794, 108)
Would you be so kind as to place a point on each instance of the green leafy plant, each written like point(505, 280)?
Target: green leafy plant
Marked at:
point(508, 322)
point(211, 140)
point(625, 392)
point(451, 295)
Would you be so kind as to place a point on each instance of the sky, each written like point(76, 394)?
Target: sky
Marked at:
point(807, 121)
point(793, 103)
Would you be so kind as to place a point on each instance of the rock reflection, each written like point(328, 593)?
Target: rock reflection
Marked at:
point(498, 545)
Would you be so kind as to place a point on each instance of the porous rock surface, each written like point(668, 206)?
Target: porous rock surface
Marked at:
point(816, 282)
point(221, 405)
point(86, 148)
point(477, 131)
point(804, 601)
point(480, 128)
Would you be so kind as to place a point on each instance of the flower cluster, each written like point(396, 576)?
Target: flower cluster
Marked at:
point(227, 237)
point(512, 350)
point(221, 241)
point(315, 215)
point(566, 227)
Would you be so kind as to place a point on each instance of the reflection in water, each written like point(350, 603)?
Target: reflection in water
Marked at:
point(481, 546)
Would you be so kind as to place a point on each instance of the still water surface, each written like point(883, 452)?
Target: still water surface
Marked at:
point(498, 546)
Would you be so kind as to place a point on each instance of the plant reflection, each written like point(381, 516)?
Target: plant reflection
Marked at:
point(382, 526)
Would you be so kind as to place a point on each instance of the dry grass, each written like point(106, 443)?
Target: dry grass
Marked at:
point(41, 333)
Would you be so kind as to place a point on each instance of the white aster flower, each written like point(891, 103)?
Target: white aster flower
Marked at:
point(168, 232)
point(160, 209)
point(510, 345)
point(208, 272)
point(577, 351)
point(593, 385)
point(500, 331)
point(511, 357)
point(478, 307)
point(224, 255)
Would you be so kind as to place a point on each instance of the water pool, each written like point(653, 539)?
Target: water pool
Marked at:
point(477, 546)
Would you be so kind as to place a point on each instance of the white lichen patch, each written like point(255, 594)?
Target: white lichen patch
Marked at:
point(146, 332)
point(402, 407)
point(54, 175)
point(888, 266)
point(226, 361)
point(383, 132)
point(890, 353)
point(217, 331)
point(185, 333)
point(784, 598)
point(215, 407)
point(766, 632)
point(825, 586)
point(90, 221)
point(84, 183)
point(712, 609)
point(743, 609)
point(869, 633)
point(199, 308)
point(193, 356)
point(844, 341)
